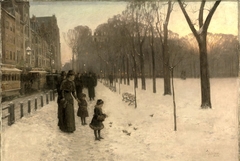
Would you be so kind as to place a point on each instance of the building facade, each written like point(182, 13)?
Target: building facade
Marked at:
point(30, 47)
point(20, 33)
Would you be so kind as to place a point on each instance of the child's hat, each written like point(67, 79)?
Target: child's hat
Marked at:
point(99, 102)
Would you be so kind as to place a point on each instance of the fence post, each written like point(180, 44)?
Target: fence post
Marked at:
point(11, 111)
point(21, 108)
point(36, 103)
point(47, 98)
point(41, 100)
point(51, 95)
point(29, 106)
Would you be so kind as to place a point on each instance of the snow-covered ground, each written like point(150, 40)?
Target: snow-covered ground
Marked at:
point(202, 135)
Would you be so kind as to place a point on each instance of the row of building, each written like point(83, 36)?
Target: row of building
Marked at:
point(29, 43)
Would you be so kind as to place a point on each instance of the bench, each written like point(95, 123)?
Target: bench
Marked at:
point(128, 97)
point(112, 88)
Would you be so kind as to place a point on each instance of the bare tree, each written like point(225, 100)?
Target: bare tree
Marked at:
point(136, 10)
point(164, 42)
point(71, 39)
point(201, 36)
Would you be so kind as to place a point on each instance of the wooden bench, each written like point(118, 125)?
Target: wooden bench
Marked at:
point(112, 88)
point(128, 97)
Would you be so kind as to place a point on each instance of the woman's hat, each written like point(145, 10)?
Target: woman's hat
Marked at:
point(99, 102)
point(70, 72)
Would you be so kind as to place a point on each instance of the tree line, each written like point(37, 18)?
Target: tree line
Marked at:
point(138, 44)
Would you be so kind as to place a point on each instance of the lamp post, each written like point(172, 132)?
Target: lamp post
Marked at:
point(51, 70)
point(28, 54)
point(52, 63)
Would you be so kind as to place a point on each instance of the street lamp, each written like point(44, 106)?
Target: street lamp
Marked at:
point(28, 54)
point(51, 72)
point(51, 66)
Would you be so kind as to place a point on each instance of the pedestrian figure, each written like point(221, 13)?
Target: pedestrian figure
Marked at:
point(68, 93)
point(97, 120)
point(110, 77)
point(91, 86)
point(79, 85)
point(60, 97)
point(82, 109)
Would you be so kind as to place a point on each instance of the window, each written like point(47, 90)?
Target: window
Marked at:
point(7, 54)
point(7, 24)
point(11, 55)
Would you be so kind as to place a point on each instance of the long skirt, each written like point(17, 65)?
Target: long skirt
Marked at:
point(69, 118)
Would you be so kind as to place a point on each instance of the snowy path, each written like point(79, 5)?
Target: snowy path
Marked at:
point(203, 135)
point(49, 143)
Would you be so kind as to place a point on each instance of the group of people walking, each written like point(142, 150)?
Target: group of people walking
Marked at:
point(70, 87)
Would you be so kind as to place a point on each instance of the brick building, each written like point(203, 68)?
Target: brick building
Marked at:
point(20, 32)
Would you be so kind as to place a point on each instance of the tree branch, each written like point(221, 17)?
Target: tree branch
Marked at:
point(201, 13)
point(209, 17)
point(194, 31)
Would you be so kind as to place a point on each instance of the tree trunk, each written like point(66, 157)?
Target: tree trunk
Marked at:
point(154, 72)
point(166, 71)
point(124, 69)
point(142, 69)
point(135, 74)
point(204, 73)
point(153, 63)
point(128, 79)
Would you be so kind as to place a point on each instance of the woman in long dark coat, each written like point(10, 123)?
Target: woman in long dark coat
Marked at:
point(68, 92)
point(60, 105)
point(97, 120)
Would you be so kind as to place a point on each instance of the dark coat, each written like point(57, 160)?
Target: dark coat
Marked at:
point(95, 123)
point(91, 85)
point(82, 108)
point(68, 91)
point(79, 86)
point(58, 86)
point(60, 104)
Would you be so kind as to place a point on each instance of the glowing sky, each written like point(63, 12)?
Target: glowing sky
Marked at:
point(71, 14)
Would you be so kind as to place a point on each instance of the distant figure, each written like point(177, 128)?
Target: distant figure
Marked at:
point(68, 92)
point(110, 77)
point(84, 77)
point(183, 75)
point(97, 120)
point(82, 109)
point(60, 97)
point(79, 85)
point(91, 86)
